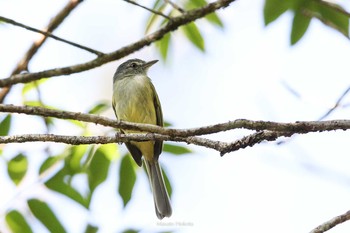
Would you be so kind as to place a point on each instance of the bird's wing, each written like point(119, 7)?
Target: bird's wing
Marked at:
point(158, 145)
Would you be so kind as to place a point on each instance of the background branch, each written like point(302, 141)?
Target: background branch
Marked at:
point(172, 25)
point(336, 105)
point(148, 9)
point(23, 63)
point(48, 34)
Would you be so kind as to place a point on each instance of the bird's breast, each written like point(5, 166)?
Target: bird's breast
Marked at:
point(133, 100)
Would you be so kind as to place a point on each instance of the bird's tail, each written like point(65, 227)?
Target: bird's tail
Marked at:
point(160, 194)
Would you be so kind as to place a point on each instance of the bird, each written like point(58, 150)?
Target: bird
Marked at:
point(135, 100)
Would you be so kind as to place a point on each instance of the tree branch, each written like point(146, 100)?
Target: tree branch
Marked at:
point(222, 147)
point(332, 223)
point(23, 64)
point(172, 25)
point(267, 130)
point(299, 127)
point(336, 105)
point(48, 34)
point(148, 9)
point(175, 6)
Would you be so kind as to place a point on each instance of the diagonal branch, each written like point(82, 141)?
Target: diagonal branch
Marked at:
point(332, 223)
point(148, 9)
point(23, 63)
point(336, 105)
point(48, 34)
point(172, 25)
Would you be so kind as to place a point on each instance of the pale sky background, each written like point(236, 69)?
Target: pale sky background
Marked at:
point(268, 188)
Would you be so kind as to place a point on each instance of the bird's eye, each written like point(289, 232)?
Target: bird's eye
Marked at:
point(133, 65)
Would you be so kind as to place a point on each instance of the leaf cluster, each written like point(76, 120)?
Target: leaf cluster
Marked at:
point(330, 14)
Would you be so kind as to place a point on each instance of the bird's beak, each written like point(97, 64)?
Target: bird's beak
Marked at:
point(149, 64)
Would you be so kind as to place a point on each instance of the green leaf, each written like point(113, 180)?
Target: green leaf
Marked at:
point(45, 215)
point(33, 103)
point(32, 85)
point(177, 150)
point(17, 168)
point(5, 125)
point(98, 169)
point(191, 4)
point(159, 6)
point(163, 46)
point(193, 34)
point(332, 15)
point(131, 231)
point(17, 222)
point(212, 18)
point(274, 9)
point(99, 107)
point(110, 150)
point(167, 124)
point(299, 26)
point(50, 162)
point(59, 184)
point(73, 161)
point(80, 124)
point(167, 183)
point(127, 179)
point(215, 19)
point(91, 229)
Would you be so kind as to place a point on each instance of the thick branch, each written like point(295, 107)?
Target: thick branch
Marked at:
point(222, 147)
point(332, 223)
point(172, 25)
point(299, 127)
point(267, 130)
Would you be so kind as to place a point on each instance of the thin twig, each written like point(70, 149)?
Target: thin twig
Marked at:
point(336, 105)
point(23, 63)
point(48, 34)
point(149, 9)
point(175, 6)
point(172, 25)
point(332, 223)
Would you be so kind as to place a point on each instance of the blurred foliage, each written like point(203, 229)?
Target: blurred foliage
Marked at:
point(5, 125)
point(93, 162)
point(17, 168)
point(127, 178)
point(17, 223)
point(330, 14)
point(190, 31)
point(45, 215)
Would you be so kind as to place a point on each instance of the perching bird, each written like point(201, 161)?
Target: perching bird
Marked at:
point(135, 100)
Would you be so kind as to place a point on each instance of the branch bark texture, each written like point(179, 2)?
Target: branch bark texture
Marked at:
point(332, 223)
point(172, 25)
point(265, 130)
